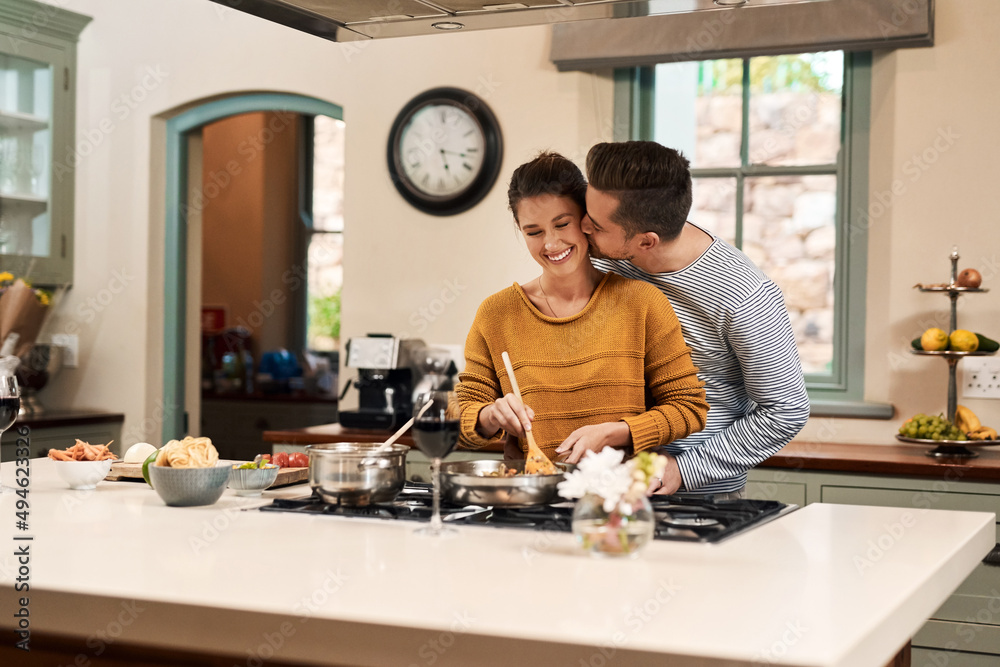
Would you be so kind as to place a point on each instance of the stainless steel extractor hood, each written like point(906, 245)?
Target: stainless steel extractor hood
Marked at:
point(352, 20)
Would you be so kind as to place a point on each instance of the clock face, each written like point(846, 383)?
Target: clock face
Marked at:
point(444, 151)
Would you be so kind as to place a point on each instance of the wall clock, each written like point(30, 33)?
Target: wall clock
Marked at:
point(444, 151)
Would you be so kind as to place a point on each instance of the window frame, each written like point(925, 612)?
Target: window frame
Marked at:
point(300, 325)
point(841, 393)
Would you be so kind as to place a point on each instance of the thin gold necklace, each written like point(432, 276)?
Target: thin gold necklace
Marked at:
point(546, 297)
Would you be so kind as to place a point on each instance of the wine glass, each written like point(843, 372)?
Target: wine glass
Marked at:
point(10, 404)
point(435, 430)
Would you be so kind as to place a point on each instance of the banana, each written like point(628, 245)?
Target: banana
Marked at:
point(966, 420)
point(983, 433)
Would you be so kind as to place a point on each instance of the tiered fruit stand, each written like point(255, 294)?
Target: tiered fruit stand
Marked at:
point(950, 448)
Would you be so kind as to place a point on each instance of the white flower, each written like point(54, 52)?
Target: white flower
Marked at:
point(602, 474)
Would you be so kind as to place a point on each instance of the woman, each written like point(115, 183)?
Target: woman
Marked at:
point(590, 351)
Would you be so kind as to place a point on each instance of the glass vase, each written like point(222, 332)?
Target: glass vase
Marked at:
point(621, 532)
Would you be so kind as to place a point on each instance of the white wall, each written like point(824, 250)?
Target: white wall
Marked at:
point(935, 138)
point(165, 56)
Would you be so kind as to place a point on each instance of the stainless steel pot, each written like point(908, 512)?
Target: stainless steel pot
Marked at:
point(465, 483)
point(354, 474)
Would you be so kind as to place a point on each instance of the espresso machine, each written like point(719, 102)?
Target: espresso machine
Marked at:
point(386, 374)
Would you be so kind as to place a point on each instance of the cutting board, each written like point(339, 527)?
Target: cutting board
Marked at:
point(133, 472)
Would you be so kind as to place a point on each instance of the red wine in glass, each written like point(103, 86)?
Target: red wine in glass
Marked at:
point(436, 439)
point(9, 407)
point(10, 403)
point(435, 431)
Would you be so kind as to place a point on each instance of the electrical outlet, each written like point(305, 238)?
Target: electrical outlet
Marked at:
point(70, 343)
point(980, 377)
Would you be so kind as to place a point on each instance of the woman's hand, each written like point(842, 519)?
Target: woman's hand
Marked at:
point(507, 413)
point(593, 439)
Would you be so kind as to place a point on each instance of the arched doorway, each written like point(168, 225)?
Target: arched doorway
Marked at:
point(179, 130)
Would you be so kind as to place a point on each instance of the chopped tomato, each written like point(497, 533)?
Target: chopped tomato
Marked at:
point(281, 460)
point(298, 460)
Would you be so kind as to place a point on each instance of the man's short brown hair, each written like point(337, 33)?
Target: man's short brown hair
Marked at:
point(651, 182)
point(548, 174)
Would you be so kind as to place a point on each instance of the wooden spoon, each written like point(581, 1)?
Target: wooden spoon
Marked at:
point(537, 462)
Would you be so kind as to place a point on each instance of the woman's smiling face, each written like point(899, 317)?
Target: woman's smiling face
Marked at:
point(551, 228)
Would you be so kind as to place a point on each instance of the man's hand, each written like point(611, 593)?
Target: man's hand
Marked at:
point(671, 479)
point(593, 439)
point(507, 413)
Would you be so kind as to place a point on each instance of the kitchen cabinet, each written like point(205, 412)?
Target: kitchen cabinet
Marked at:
point(38, 151)
point(965, 630)
point(236, 424)
point(59, 429)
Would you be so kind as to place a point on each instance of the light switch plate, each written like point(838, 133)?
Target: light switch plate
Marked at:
point(981, 377)
point(70, 343)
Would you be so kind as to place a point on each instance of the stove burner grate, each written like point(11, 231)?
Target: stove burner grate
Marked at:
point(677, 518)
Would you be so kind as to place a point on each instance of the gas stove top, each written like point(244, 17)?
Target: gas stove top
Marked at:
point(677, 518)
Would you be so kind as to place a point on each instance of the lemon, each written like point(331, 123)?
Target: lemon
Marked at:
point(934, 339)
point(963, 341)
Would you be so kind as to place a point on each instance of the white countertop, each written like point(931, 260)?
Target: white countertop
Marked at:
point(825, 586)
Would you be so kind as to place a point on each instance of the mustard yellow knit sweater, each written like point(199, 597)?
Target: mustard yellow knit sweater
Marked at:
point(621, 354)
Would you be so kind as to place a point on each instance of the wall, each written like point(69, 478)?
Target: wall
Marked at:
point(249, 226)
point(142, 61)
point(932, 185)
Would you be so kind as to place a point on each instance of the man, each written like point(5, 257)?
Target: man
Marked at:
point(733, 317)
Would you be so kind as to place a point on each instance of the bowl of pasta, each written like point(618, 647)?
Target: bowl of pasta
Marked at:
point(187, 473)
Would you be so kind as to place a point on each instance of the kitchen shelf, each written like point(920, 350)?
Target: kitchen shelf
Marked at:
point(950, 448)
point(951, 289)
point(952, 354)
point(13, 121)
point(32, 205)
point(38, 126)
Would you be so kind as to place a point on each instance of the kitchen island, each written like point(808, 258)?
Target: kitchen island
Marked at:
point(113, 568)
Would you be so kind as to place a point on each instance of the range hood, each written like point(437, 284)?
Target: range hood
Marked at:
point(353, 20)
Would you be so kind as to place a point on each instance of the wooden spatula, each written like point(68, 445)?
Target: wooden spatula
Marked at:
point(537, 462)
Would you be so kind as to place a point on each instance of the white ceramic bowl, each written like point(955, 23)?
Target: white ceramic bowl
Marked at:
point(83, 474)
point(189, 487)
point(252, 481)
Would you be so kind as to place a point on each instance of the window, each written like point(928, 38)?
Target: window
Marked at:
point(778, 151)
point(323, 193)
